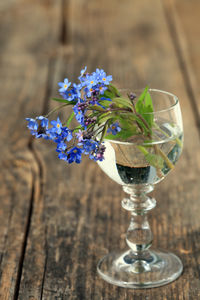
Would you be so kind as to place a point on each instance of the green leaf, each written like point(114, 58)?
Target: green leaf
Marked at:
point(108, 94)
point(122, 135)
point(148, 102)
point(133, 118)
point(144, 107)
point(94, 114)
point(142, 124)
point(97, 108)
point(70, 119)
point(114, 90)
point(123, 102)
point(129, 125)
point(148, 109)
point(63, 101)
point(104, 117)
point(155, 160)
point(105, 103)
point(139, 104)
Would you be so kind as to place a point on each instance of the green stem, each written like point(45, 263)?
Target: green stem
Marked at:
point(164, 156)
point(143, 150)
point(69, 119)
point(178, 141)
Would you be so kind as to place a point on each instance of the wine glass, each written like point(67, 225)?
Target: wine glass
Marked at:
point(138, 164)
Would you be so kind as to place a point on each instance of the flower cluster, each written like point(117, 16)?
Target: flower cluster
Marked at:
point(100, 113)
point(90, 104)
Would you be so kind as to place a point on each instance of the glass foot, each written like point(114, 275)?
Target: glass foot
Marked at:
point(126, 270)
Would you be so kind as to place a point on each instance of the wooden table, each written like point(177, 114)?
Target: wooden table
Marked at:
point(56, 220)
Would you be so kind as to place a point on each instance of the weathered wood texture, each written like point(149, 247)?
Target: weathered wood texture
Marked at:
point(58, 220)
point(183, 23)
point(24, 62)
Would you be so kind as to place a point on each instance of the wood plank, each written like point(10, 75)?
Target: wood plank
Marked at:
point(81, 220)
point(183, 17)
point(23, 75)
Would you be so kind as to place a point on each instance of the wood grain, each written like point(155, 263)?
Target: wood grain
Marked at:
point(23, 77)
point(59, 220)
point(183, 19)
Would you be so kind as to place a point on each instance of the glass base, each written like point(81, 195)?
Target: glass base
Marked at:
point(126, 270)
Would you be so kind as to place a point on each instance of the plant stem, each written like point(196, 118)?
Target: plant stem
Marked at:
point(157, 149)
point(140, 117)
point(164, 156)
point(178, 141)
point(119, 109)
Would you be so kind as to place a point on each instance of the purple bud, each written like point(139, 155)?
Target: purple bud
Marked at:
point(95, 93)
point(132, 96)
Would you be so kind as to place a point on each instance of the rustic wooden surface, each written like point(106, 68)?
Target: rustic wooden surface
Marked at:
point(57, 221)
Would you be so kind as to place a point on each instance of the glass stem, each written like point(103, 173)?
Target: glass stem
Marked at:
point(139, 236)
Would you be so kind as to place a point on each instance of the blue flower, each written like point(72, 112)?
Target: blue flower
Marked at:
point(43, 135)
point(88, 91)
point(57, 126)
point(44, 121)
point(64, 85)
point(74, 155)
point(72, 94)
point(77, 90)
point(79, 114)
point(83, 96)
point(102, 89)
point(69, 95)
point(90, 81)
point(61, 147)
point(79, 135)
point(89, 145)
point(98, 74)
point(114, 128)
point(101, 77)
point(32, 124)
point(52, 134)
point(66, 134)
point(106, 79)
point(62, 156)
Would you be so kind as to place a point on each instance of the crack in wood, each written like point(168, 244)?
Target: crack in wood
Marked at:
point(45, 264)
point(20, 268)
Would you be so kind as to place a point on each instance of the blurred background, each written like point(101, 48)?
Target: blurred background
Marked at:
point(54, 218)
